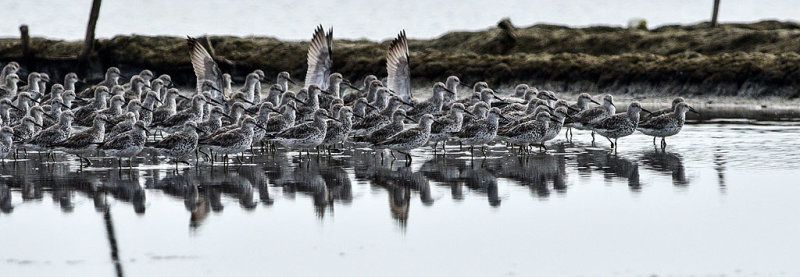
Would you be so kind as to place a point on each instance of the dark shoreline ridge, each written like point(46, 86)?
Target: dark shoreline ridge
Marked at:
point(756, 59)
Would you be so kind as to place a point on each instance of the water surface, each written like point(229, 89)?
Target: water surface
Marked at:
point(721, 199)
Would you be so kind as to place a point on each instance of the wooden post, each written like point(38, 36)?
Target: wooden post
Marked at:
point(26, 41)
point(714, 15)
point(88, 42)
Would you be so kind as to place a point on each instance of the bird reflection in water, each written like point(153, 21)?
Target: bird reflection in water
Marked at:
point(663, 161)
point(478, 176)
point(612, 166)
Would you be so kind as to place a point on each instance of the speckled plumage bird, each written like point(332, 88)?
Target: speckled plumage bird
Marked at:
point(666, 125)
point(127, 144)
point(619, 125)
point(410, 139)
point(85, 142)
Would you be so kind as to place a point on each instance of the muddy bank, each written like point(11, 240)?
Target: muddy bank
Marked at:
point(758, 59)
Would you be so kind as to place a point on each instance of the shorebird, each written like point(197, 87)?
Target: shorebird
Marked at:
point(149, 105)
point(169, 107)
point(587, 118)
point(33, 84)
point(110, 80)
point(382, 96)
point(262, 119)
point(10, 88)
point(478, 112)
point(283, 121)
point(584, 99)
point(304, 136)
point(25, 128)
point(283, 81)
point(310, 105)
point(146, 76)
point(175, 122)
point(249, 88)
point(360, 107)
point(5, 110)
point(480, 132)
point(527, 133)
point(85, 142)
point(114, 110)
point(178, 145)
point(619, 125)
point(432, 105)
point(559, 115)
point(127, 144)
point(8, 69)
point(234, 141)
point(213, 123)
point(274, 94)
point(319, 58)
point(384, 133)
point(661, 112)
point(398, 68)
point(452, 84)
point(338, 131)
point(412, 138)
point(119, 127)
point(373, 122)
point(666, 125)
point(447, 124)
point(6, 142)
point(477, 88)
point(372, 93)
point(53, 134)
point(333, 91)
point(351, 97)
point(205, 68)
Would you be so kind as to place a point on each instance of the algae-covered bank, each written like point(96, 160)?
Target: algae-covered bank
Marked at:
point(755, 60)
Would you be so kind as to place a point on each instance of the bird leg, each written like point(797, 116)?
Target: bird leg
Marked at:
point(612, 143)
point(592, 136)
point(393, 157)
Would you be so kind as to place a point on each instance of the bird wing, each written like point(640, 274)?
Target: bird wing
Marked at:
point(658, 122)
point(175, 119)
point(205, 68)
point(397, 66)
point(319, 58)
point(609, 122)
point(224, 137)
point(469, 130)
point(169, 141)
point(118, 141)
point(299, 131)
point(78, 140)
point(400, 137)
point(586, 115)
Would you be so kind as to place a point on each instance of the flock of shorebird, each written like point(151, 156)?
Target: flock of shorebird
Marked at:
point(118, 118)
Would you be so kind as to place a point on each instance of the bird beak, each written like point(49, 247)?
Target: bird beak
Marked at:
point(358, 116)
point(645, 110)
point(226, 115)
point(298, 100)
point(197, 129)
point(612, 104)
point(214, 88)
point(572, 109)
point(247, 101)
point(372, 106)
point(593, 101)
point(49, 116)
point(694, 111)
point(291, 81)
point(552, 98)
point(38, 125)
point(215, 102)
point(406, 103)
point(392, 93)
point(450, 91)
point(352, 86)
point(502, 116)
point(34, 100)
point(463, 85)
point(332, 118)
point(273, 109)
point(409, 118)
point(184, 97)
point(498, 98)
point(145, 108)
point(14, 107)
point(250, 112)
point(467, 112)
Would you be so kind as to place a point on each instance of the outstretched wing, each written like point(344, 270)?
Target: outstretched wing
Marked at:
point(397, 66)
point(319, 58)
point(205, 68)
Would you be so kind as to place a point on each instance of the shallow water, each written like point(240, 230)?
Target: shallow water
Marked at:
point(722, 199)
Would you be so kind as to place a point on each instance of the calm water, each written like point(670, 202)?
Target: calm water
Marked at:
point(371, 19)
point(722, 199)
